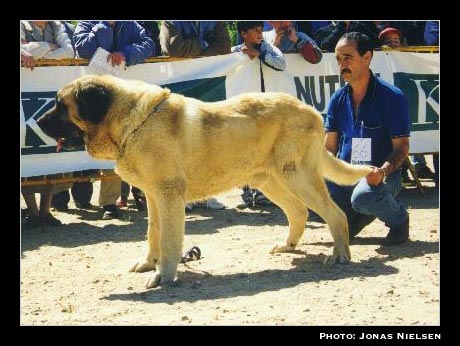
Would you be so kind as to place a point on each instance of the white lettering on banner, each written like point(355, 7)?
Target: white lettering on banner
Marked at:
point(317, 90)
point(31, 122)
point(423, 99)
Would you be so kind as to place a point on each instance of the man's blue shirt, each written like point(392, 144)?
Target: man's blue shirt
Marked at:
point(382, 115)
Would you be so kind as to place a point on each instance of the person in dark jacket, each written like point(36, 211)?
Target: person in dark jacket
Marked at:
point(194, 38)
point(328, 36)
point(126, 41)
point(153, 31)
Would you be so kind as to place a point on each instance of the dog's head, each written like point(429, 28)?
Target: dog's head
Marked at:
point(80, 106)
point(99, 112)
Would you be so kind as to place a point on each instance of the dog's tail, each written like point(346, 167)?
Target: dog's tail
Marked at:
point(341, 172)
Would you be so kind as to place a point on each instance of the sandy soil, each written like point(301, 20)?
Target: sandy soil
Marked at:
point(77, 274)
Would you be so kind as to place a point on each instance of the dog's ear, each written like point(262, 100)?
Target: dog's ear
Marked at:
point(93, 101)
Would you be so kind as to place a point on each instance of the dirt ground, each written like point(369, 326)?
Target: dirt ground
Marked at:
point(77, 274)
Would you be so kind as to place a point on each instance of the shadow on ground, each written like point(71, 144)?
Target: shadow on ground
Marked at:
point(134, 228)
point(203, 286)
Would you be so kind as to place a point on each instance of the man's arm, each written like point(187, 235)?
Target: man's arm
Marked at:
point(393, 162)
point(88, 36)
point(332, 142)
point(272, 56)
point(62, 40)
point(397, 155)
point(140, 47)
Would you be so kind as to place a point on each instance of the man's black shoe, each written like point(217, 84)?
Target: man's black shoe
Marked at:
point(397, 235)
point(360, 221)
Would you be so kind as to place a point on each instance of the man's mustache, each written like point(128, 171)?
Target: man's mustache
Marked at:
point(345, 70)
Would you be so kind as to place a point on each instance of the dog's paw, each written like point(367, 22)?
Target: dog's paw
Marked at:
point(278, 248)
point(342, 259)
point(153, 281)
point(143, 265)
point(157, 279)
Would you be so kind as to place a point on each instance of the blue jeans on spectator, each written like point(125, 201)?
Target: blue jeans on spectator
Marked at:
point(379, 200)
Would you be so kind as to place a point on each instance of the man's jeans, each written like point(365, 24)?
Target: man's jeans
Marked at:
point(366, 199)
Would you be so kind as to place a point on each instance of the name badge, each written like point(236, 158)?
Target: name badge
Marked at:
point(361, 151)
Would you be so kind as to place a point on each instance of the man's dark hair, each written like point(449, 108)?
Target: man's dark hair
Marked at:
point(363, 43)
point(245, 26)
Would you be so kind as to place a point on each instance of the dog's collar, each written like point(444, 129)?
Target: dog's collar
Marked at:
point(155, 109)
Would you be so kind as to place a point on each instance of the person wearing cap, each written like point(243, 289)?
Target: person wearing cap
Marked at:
point(391, 37)
point(285, 36)
point(368, 122)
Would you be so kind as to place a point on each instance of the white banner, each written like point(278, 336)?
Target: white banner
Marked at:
point(220, 77)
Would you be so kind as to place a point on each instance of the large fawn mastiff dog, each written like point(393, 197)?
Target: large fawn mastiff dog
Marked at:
point(179, 149)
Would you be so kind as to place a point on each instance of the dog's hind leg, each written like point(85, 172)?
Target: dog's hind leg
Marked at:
point(312, 189)
point(296, 213)
point(149, 262)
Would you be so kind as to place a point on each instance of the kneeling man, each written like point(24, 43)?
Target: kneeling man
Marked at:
point(368, 122)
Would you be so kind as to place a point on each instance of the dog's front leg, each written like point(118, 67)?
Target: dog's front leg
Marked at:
point(171, 208)
point(149, 262)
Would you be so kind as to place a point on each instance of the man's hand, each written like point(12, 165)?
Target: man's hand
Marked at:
point(292, 34)
point(27, 60)
point(116, 58)
point(376, 176)
point(251, 52)
point(279, 36)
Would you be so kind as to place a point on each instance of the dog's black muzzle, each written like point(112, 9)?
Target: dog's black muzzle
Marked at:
point(68, 135)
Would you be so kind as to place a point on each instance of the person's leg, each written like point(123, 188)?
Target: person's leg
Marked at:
point(83, 191)
point(122, 200)
point(61, 196)
point(380, 201)
point(45, 206)
point(81, 194)
point(109, 192)
point(29, 198)
point(33, 220)
point(341, 195)
point(139, 198)
point(61, 200)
